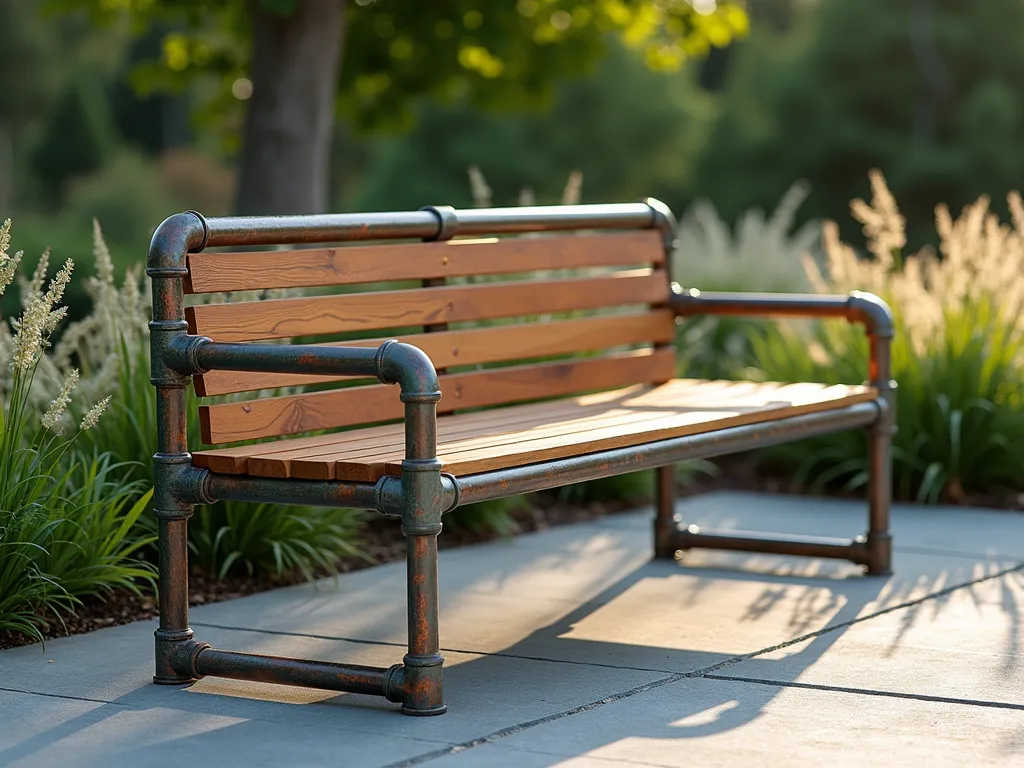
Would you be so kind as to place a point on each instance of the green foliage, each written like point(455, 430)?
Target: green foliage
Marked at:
point(127, 194)
point(958, 355)
point(760, 254)
point(960, 405)
point(67, 518)
point(635, 487)
point(111, 347)
point(498, 54)
point(63, 154)
point(232, 537)
point(628, 130)
point(489, 516)
point(944, 120)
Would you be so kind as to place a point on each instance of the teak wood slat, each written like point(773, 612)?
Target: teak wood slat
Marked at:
point(668, 411)
point(476, 346)
point(318, 315)
point(480, 442)
point(240, 459)
point(255, 419)
point(226, 272)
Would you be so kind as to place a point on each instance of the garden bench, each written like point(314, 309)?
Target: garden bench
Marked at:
point(505, 386)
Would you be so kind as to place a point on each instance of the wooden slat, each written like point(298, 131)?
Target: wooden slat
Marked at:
point(284, 318)
point(272, 459)
point(315, 463)
point(608, 437)
point(269, 417)
point(518, 435)
point(474, 346)
point(216, 272)
point(275, 459)
point(369, 460)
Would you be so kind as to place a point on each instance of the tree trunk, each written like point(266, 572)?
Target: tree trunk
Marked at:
point(286, 143)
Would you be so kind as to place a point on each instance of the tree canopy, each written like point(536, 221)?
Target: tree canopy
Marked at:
point(500, 54)
point(927, 91)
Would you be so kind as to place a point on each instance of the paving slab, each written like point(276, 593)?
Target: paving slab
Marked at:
point(55, 731)
point(484, 693)
point(589, 593)
point(962, 645)
point(569, 647)
point(708, 723)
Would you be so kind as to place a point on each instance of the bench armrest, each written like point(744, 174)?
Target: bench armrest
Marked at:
point(858, 307)
point(866, 309)
point(392, 362)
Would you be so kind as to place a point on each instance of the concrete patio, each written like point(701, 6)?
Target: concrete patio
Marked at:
point(571, 648)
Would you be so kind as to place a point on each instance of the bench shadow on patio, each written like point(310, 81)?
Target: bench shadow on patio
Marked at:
point(542, 627)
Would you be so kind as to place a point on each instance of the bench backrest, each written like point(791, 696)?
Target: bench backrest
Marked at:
point(504, 320)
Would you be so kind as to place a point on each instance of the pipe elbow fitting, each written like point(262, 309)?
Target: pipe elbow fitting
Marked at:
point(664, 220)
point(176, 236)
point(869, 310)
point(410, 368)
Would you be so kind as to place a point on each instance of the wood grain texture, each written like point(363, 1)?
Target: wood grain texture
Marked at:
point(255, 419)
point(217, 272)
point(276, 455)
point(518, 435)
point(367, 312)
point(478, 345)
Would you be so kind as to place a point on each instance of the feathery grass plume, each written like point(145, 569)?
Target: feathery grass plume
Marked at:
point(479, 188)
point(92, 417)
point(40, 316)
point(59, 405)
point(573, 190)
point(759, 253)
point(68, 517)
point(958, 353)
point(8, 264)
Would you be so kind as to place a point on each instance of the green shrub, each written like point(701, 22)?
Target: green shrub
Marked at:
point(67, 518)
point(759, 254)
point(958, 355)
point(632, 488)
point(111, 345)
point(489, 516)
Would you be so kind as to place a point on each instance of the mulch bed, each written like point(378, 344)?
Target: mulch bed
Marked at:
point(383, 542)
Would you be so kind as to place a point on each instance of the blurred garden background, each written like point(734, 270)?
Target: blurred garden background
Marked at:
point(805, 145)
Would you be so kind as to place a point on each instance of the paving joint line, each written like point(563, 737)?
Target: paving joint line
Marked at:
point(62, 696)
point(869, 692)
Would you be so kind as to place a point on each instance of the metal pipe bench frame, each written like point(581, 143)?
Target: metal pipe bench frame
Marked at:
point(424, 493)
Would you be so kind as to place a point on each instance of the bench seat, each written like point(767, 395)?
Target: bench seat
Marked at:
point(511, 436)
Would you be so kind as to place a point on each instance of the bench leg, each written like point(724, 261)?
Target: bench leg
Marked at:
point(879, 540)
point(173, 634)
point(664, 512)
point(423, 664)
point(422, 670)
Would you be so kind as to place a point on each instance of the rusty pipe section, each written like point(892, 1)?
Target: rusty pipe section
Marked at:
point(424, 224)
point(577, 469)
point(392, 362)
point(166, 267)
point(877, 318)
point(270, 490)
point(352, 678)
point(858, 307)
point(693, 537)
